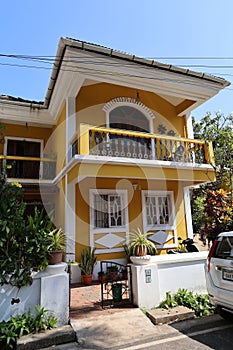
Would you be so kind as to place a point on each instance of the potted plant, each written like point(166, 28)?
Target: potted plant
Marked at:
point(87, 264)
point(124, 273)
point(140, 244)
point(112, 272)
point(56, 246)
point(102, 277)
point(128, 252)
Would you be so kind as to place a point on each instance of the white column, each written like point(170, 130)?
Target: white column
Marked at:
point(70, 217)
point(189, 126)
point(70, 124)
point(188, 213)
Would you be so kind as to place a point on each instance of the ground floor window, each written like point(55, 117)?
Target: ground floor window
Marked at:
point(108, 211)
point(158, 210)
point(109, 220)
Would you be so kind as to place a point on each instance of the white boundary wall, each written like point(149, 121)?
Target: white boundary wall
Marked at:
point(50, 289)
point(168, 273)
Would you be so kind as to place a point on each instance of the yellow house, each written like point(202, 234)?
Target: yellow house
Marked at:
point(111, 148)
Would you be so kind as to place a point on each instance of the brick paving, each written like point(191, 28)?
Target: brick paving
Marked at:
point(85, 301)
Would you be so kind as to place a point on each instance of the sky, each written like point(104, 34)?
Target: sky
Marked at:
point(195, 34)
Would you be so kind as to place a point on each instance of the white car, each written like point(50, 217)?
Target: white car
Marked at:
point(219, 274)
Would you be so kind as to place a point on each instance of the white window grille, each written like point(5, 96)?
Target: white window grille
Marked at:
point(108, 211)
point(158, 210)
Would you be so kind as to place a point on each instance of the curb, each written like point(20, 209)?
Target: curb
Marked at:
point(55, 336)
point(176, 314)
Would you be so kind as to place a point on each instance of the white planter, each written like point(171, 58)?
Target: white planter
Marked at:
point(56, 269)
point(141, 260)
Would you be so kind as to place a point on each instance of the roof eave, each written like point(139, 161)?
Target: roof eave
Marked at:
point(82, 45)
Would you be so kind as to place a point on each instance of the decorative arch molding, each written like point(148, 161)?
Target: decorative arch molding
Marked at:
point(120, 101)
point(132, 102)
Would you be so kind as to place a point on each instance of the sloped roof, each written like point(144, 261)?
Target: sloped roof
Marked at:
point(103, 50)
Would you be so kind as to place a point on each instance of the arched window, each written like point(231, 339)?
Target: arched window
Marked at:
point(128, 118)
point(129, 114)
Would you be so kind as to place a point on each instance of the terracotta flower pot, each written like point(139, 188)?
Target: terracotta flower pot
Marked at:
point(55, 257)
point(102, 278)
point(140, 250)
point(87, 279)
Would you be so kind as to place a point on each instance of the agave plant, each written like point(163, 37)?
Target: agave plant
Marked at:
point(140, 244)
point(88, 261)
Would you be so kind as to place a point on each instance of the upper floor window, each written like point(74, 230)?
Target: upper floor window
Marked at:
point(22, 149)
point(128, 114)
point(128, 118)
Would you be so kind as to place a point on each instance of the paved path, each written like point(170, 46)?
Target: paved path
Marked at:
point(116, 331)
point(85, 302)
point(130, 329)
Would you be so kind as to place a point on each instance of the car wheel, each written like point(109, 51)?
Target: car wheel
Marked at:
point(224, 314)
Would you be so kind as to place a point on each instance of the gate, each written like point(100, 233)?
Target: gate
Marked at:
point(116, 284)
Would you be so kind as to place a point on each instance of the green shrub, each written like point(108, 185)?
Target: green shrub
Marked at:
point(199, 303)
point(24, 243)
point(20, 325)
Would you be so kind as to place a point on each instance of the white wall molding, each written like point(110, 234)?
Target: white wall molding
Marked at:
point(188, 213)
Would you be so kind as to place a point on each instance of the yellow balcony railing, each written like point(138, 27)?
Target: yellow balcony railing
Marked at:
point(28, 167)
point(100, 141)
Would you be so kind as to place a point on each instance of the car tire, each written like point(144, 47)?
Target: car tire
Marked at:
point(224, 314)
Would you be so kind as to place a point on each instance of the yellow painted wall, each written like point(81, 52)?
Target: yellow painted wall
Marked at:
point(141, 172)
point(134, 207)
point(92, 98)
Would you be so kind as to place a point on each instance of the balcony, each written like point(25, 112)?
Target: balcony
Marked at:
point(106, 142)
point(30, 168)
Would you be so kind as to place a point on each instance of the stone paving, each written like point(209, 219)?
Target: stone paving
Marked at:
point(85, 301)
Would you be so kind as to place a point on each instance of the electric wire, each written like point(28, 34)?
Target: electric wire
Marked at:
point(70, 65)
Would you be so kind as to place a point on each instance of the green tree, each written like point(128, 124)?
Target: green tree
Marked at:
point(24, 243)
point(12, 229)
point(219, 130)
point(219, 210)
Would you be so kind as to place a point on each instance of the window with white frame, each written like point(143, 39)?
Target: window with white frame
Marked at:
point(107, 210)
point(158, 210)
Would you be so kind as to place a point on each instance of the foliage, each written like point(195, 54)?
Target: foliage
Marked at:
point(199, 303)
point(57, 240)
point(12, 229)
point(24, 324)
point(198, 213)
point(169, 302)
point(23, 242)
point(88, 261)
point(181, 246)
point(128, 252)
point(217, 129)
point(139, 238)
point(219, 213)
point(38, 228)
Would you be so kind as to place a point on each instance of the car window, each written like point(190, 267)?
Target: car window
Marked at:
point(224, 248)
